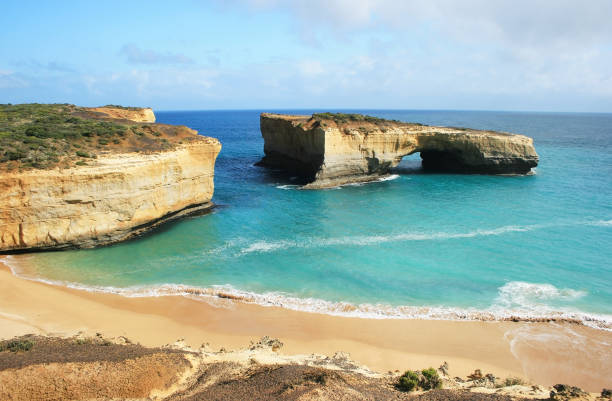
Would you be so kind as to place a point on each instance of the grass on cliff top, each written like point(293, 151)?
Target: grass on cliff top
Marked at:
point(118, 106)
point(345, 118)
point(47, 135)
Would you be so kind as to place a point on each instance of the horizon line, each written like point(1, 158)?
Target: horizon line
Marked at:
point(381, 109)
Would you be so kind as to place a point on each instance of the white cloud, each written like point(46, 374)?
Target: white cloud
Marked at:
point(518, 47)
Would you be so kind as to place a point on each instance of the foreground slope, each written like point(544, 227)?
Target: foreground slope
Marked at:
point(84, 368)
point(79, 177)
point(334, 149)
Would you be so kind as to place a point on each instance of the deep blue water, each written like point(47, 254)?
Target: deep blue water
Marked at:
point(539, 244)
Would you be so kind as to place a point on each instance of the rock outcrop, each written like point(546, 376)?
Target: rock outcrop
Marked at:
point(139, 115)
point(113, 197)
point(327, 150)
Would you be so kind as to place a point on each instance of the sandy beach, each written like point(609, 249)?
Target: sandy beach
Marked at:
point(542, 353)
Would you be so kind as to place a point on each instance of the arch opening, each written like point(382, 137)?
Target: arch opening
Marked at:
point(428, 161)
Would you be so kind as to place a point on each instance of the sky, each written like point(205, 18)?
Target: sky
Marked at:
point(531, 55)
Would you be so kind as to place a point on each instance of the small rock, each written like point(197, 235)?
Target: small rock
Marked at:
point(564, 392)
point(266, 342)
point(476, 375)
point(122, 340)
point(444, 368)
point(606, 393)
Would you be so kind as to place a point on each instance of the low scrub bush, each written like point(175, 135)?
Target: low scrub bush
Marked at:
point(16, 346)
point(426, 379)
point(408, 381)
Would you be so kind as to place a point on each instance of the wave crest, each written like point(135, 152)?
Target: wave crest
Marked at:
point(529, 295)
point(509, 295)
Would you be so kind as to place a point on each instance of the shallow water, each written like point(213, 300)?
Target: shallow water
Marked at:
point(424, 245)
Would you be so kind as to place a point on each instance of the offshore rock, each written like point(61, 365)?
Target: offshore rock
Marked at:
point(328, 150)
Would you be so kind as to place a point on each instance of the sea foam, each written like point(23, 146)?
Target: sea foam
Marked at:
point(264, 246)
point(516, 301)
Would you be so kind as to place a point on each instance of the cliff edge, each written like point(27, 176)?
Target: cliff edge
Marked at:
point(328, 149)
point(71, 180)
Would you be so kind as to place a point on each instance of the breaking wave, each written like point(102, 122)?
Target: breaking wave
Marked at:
point(516, 301)
point(368, 240)
point(389, 177)
point(269, 246)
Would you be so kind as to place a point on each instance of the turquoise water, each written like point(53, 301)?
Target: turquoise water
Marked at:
point(428, 245)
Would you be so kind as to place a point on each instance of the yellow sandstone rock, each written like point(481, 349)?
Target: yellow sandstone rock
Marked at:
point(339, 149)
point(114, 197)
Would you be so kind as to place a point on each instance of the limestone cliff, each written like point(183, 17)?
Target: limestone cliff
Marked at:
point(139, 115)
point(110, 198)
point(333, 149)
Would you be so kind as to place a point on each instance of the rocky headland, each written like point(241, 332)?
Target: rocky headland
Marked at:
point(328, 149)
point(73, 177)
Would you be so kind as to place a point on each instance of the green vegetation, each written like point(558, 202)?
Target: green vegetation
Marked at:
point(117, 106)
point(38, 135)
point(16, 346)
point(83, 341)
point(408, 381)
point(431, 379)
point(46, 135)
point(344, 118)
point(513, 381)
point(427, 379)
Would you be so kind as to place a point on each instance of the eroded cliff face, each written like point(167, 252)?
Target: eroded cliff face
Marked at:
point(118, 197)
point(112, 197)
point(328, 152)
point(139, 115)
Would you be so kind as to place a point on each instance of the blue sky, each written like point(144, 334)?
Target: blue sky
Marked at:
point(439, 54)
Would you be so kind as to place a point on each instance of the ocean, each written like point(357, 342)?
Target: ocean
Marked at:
point(415, 245)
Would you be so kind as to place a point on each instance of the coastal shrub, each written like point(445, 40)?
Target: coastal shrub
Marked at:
point(43, 135)
point(408, 381)
point(430, 379)
point(117, 106)
point(16, 346)
point(426, 379)
point(513, 381)
point(80, 153)
point(346, 117)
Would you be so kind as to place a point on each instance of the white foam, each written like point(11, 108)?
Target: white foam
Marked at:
point(389, 178)
point(315, 242)
point(497, 312)
point(384, 178)
point(601, 223)
point(269, 246)
point(533, 295)
point(288, 186)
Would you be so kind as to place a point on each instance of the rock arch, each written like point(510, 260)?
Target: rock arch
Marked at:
point(334, 149)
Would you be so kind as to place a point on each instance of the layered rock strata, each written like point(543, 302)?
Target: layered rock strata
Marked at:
point(329, 150)
point(114, 197)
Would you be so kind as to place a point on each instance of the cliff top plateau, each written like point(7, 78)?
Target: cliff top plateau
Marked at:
point(43, 136)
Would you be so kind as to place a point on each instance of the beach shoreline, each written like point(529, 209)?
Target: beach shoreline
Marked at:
point(543, 353)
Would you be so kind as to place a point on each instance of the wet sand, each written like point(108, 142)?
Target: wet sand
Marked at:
point(543, 353)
